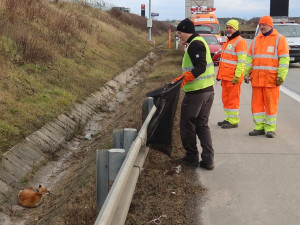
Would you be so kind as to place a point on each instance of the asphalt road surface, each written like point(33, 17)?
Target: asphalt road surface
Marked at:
point(256, 180)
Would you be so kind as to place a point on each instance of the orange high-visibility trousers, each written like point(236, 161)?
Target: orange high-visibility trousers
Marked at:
point(231, 101)
point(264, 107)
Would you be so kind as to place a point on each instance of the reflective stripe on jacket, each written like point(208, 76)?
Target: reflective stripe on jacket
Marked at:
point(267, 59)
point(205, 79)
point(233, 59)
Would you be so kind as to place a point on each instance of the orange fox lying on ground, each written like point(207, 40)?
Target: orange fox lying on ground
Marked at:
point(31, 198)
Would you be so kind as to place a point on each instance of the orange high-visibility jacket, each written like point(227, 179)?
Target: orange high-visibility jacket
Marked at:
point(268, 58)
point(233, 59)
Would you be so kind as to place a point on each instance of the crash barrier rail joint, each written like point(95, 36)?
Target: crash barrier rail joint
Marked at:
point(121, 165)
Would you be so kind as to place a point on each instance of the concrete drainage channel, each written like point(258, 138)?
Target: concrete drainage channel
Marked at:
point(31, 154)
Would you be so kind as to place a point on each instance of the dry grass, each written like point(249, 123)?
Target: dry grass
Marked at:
point(52, 55)
point(79, 211)
point(161, 191)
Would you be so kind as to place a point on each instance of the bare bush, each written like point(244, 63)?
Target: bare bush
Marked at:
point(141, 22)
point(31, 49)
point(11, 7)
point(30, 9)
point(84, 24)
point(65, 22)
point(130, 19)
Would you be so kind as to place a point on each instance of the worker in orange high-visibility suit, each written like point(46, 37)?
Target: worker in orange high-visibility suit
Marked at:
point(231, 72)
point(267, 66)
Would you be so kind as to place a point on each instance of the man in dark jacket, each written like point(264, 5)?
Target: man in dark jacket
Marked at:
point(198, 80)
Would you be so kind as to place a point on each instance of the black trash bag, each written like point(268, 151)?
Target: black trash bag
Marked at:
point(160, 128)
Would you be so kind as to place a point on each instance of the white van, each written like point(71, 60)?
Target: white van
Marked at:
point(291, 31)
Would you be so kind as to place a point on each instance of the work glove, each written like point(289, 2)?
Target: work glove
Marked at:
point(188, 77)
point(279, 81)
point(247, 78)
point(235, 80)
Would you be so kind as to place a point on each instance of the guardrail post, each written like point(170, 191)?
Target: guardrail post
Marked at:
point(129, 137)
point(110, 161)
point(116, 157)
point(124, 138)
point(118, 138)
point(147, 105)
point(116, 192)
point(101, 177)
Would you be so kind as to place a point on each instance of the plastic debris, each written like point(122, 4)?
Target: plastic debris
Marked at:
point(177, 169)
point(157, 220)
point(88, 136)
point(174, 170)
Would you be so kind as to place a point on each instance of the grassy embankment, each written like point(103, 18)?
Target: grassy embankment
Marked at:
point(52, 55)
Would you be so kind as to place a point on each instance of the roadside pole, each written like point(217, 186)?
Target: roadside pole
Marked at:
point(170, 33)
point(176, 40)
point(149, 21)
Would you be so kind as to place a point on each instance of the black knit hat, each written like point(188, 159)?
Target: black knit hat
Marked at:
point(186, 26)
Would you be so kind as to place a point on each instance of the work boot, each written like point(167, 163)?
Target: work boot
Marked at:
point(270, 134)
point(223, 122)
point(256, 132)
point(206, 166)
point(229, 125)
point(187, 161)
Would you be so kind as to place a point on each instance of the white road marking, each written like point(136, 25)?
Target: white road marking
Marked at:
point(290, 93)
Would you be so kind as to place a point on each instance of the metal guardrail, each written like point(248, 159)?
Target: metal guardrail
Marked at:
point(115, 208)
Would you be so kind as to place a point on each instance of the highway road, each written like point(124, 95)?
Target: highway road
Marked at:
point(256, 180)
point(292, 81)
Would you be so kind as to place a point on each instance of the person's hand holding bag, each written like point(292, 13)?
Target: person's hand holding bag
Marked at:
point(188, 77)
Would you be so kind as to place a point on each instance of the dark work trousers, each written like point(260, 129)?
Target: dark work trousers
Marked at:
point(195, 110)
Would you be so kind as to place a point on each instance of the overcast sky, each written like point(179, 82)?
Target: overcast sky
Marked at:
point(174, 9)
